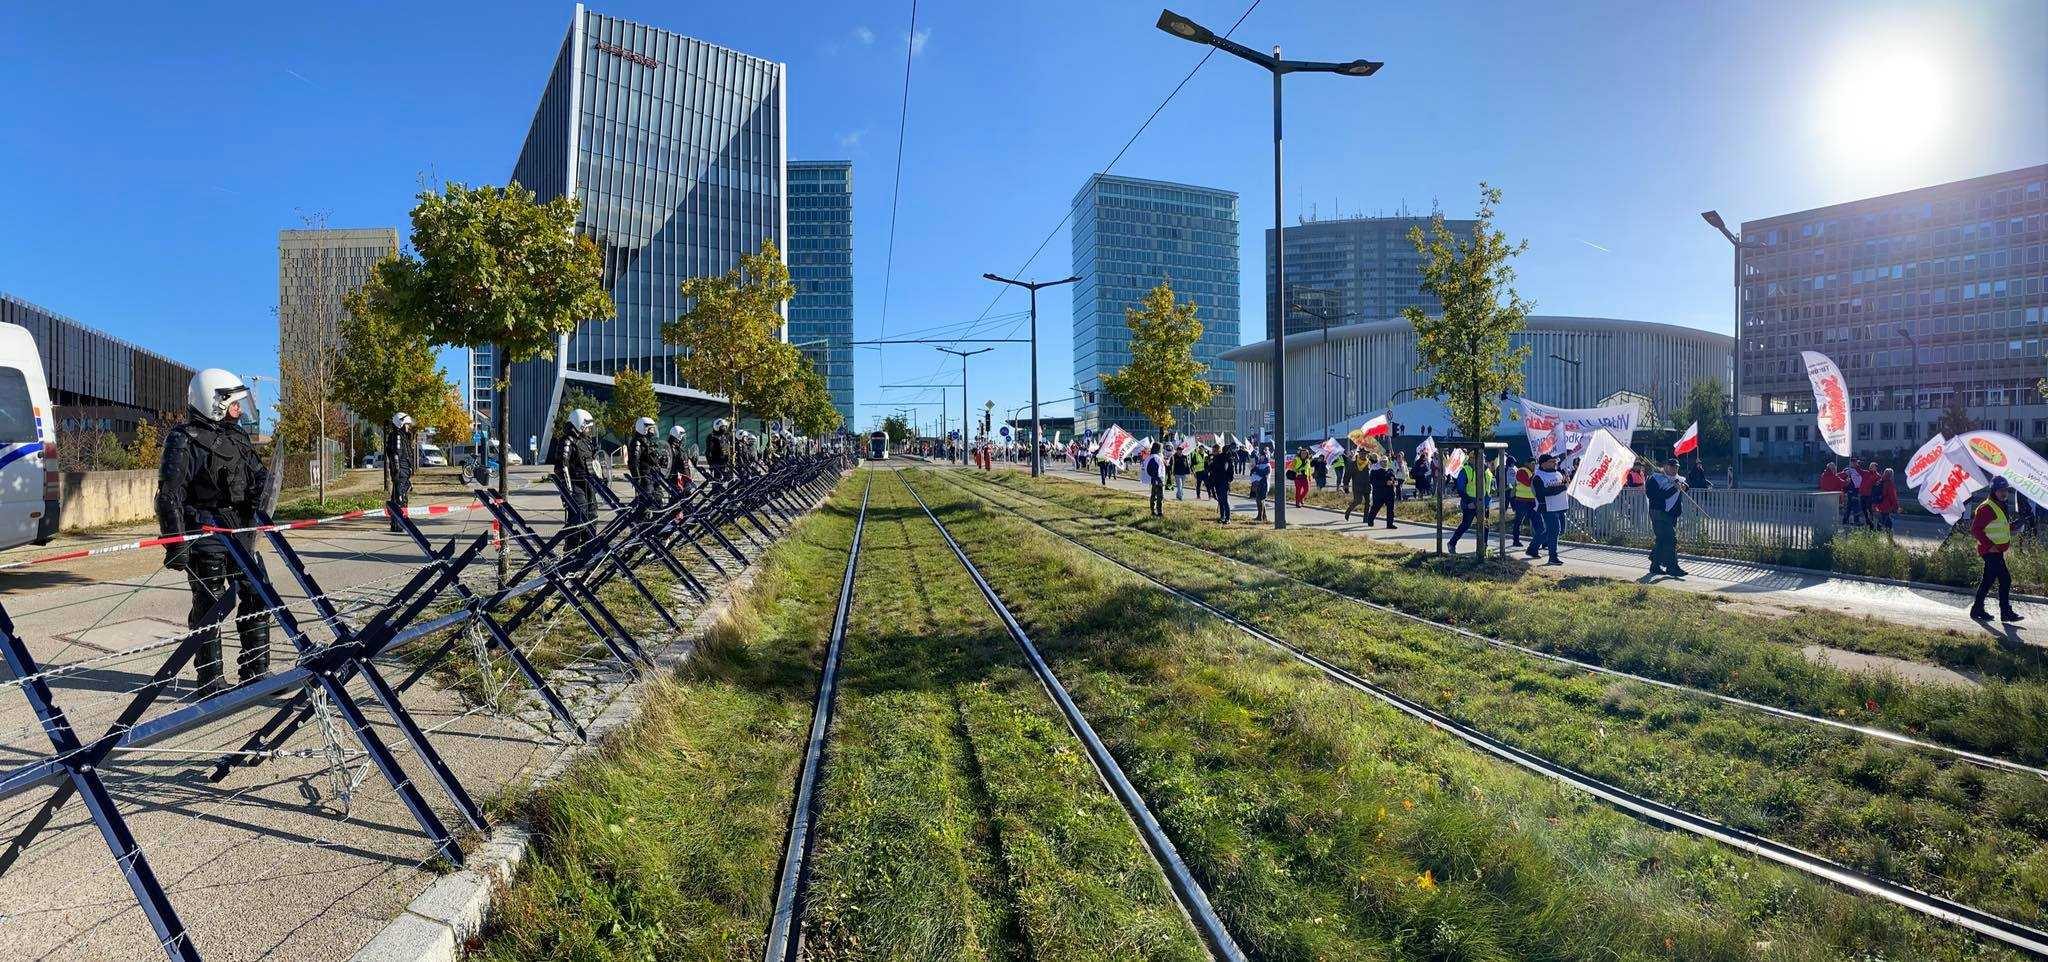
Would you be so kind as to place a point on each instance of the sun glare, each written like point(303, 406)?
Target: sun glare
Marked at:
point(1885, 106)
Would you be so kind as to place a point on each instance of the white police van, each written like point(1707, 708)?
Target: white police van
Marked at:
point(28, 443)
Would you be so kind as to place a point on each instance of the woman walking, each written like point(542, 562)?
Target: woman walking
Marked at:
point(1261, 473)
point(1297, 472)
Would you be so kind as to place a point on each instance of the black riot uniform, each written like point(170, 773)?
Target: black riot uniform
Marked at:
point(570, 454)
point(211, 469)
point(646, 459)
point(400, 457)
point(718, 452)
point(679, 462)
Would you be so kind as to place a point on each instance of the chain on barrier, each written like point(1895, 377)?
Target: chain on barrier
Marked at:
point(337, 636)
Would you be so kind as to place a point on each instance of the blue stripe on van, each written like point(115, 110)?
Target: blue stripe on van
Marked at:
point(28, 447)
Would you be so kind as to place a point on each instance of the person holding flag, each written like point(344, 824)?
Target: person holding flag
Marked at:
point(1666, 491)
point(1549, 485)
point(1355, 482)
point(1992, 527)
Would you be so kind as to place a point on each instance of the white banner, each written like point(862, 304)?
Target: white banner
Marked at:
point(1116, 442)
point(1830, 400)
point(1331, 449)
point(1948, 487)
point(1924, 460)
point(1454, 462)
point(1426, 449)
point(1602, 470)
point(1558, 430)
point(2002, 455)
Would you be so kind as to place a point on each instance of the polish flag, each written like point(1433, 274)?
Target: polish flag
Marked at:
point(1689, 441)
point(1377, 427)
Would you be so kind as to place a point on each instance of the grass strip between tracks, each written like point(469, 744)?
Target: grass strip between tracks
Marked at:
point(1976, 836)
point(1663, 633)
point(666, 844)
point(1325, 826)
point(960, 817)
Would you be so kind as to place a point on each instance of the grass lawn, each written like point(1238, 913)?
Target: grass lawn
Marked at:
point(1674, 635)
point(1324, 825)
point(666, 844)
point(1973, 835)
point(960, 817)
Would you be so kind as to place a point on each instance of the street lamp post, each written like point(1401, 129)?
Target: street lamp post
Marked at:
point(1193, 32)
point(1913, 435)
point(1713, 217)
point(1577, 399)
point(966, 431)
point(1032, 286)
point(1327, 319)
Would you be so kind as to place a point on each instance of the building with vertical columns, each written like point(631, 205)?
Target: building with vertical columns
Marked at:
point(1128, 235)
point(676, 150)
point(315, 268)
point(821, 267)
point(1354, 269)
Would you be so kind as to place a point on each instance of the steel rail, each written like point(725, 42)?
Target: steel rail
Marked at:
point(1998, 928)
point(785, 933)
point(1189, 892)
point(1788, 714)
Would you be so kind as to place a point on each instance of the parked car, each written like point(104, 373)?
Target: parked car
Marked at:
point(431, 456)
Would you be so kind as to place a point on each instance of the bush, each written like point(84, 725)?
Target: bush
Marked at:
point(1870, 553)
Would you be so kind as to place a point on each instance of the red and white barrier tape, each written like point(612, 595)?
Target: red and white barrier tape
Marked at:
point(168, 540)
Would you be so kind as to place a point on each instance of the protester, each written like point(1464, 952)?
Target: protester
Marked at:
point(1104, 465)
point(1198, 462)
point(1524, 504)
point(1885, 503)
point(1220, 475)
point(1420, 473)
point(1399, 470)
point(1297, 474)
point(1696, 479)
point(1383, 481)
point(1261, 474)
point(1319, 467)
point(1180, 469)
point(1340, 466)
point(1361, 491)
point(1475, 490)
point(1155, 478)
point(1550, 485)
point(1993, 531)
point(1852, 491)
point(1666, 493)
point(1634, 478)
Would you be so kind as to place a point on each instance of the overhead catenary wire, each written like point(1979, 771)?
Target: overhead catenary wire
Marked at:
point(896, 189)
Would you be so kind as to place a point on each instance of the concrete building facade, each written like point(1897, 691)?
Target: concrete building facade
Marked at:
point(1353, 269)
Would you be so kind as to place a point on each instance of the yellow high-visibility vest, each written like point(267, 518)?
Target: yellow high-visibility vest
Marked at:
point(1999, 531)
point(1522, 489)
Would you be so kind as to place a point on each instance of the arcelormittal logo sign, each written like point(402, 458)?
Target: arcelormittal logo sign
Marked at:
point(624, 54)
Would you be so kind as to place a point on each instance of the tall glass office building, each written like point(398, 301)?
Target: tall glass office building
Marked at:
point(1128, 235)
point(1354, 269)
point(676, 150)
point(821, 267)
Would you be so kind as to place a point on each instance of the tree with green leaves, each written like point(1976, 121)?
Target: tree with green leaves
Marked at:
point(1707, 403)
point(731, 335)
point(386, 364)
point(492, 266)
point(574, 398)
point(1467, 349)
point(632, 399)
point(897, 428)
point(447, 418)
point(1163, 373)
point(810, 402)
point(1955, 416)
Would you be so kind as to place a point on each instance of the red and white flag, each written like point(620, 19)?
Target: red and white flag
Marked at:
point(1454, 462)
point(1331, 449)
point(1947, 487)
point(1689, 441)
point(1378, 427)
point(1116, 442)
point(1830, 400)
point(1427, 448)
point(1602, 470)
point(1924, 460)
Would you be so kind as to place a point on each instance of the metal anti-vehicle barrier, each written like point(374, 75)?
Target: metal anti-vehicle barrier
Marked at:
point(554, 577)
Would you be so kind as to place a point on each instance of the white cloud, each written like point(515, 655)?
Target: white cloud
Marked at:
point(917, 41)
point(852, 137)
point(864, 35)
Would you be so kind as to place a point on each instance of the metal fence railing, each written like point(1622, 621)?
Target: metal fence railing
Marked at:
point(1717, 518)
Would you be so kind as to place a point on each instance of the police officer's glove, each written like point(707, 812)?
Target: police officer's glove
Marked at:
point(175, 557)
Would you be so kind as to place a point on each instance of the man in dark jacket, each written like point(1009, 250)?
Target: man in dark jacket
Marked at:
point(679, 457)
point(1666, 492)
point(1360, 483)
point(718, 450)
point(401, 454)
point(1222, 470)
point(211, 475)
point(646, 462)
point(1382, 479)
point(570, 455)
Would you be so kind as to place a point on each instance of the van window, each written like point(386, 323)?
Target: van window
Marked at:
point(17, 411)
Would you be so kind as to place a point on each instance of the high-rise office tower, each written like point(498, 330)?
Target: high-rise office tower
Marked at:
point(315, 268)
point(1128, 235)
point(1354, 270)
point(675, 149)
point(821, 267)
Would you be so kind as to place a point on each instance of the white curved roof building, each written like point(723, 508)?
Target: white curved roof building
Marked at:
point(1573, 362)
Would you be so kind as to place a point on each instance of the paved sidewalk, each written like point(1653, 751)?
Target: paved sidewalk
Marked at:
point(1752, 584)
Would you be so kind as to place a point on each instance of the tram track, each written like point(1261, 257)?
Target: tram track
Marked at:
point(1985, 924)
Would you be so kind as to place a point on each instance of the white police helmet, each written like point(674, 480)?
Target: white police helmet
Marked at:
point(644, 426)
point(676, 432)
point(212, 390)
point(580, 421)
point(401, 420)
point(721, 425)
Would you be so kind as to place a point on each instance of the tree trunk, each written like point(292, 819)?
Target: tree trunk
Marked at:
point(500, 389)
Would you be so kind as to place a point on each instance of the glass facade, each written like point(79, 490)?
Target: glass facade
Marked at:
point(675, 149)
point(482, 370)
point(1355, 269)
point(821, 267)
point(1957, 271)
point(99, 382)
point(315, 268)
point(1128, 235)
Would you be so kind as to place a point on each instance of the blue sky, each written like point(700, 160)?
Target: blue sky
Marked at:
point(151, 152)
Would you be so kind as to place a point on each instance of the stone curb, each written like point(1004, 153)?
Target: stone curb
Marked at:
point(442, 919)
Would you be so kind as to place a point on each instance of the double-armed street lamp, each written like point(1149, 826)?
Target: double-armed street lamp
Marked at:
point(1713, 217)
point(966, 431)
point(1032, 286)
point(1276, 325)
point(1328, 318)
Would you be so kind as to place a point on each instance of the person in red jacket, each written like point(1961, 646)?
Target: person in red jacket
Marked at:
point(1831, 479)
point(1991, 525)
point(1887, 503)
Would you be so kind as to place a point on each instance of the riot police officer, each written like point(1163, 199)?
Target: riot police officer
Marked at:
point(570, 456)
point(679, 457)
point(401, 455)
point(211, 474)
point(718, 450)
point(646, 460)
